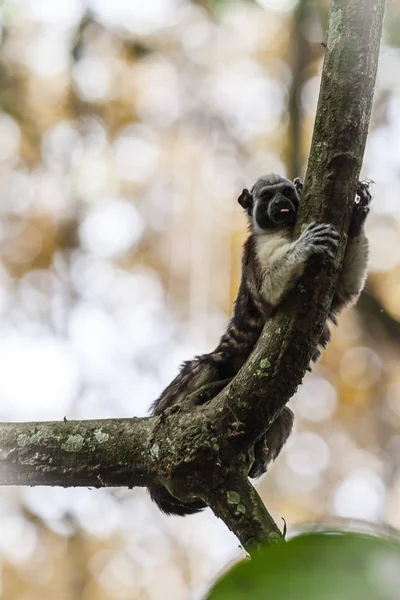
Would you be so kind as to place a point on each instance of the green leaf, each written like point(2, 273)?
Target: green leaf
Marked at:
point(320, 566)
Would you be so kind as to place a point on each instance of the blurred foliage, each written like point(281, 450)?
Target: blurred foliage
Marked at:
point(329, 566)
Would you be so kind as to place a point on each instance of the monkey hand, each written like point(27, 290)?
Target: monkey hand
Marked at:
point(361, 209)
point(298, 184)
point(267, 449)
point(318, 238)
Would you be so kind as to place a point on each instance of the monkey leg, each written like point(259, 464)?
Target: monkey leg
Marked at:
point(170, 505)
point(207, 392)
point(269, 446)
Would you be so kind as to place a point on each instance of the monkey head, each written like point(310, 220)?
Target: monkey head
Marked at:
point(272, 202)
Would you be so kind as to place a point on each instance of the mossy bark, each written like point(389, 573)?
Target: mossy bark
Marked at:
point(202, 452)
point(76, 453)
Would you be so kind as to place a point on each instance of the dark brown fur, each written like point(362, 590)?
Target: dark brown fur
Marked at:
point(255, 303)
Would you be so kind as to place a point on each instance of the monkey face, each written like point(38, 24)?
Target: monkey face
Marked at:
point(272, 203)
point(275, 211)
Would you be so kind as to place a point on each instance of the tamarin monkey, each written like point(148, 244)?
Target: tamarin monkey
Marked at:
point(272, 263)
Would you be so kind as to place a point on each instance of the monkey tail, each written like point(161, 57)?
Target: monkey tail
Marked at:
point(202, 372)
point(170, 505)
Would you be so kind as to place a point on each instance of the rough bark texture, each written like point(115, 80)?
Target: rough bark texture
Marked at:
point(201, 452)
point(303, 53)
point(76, 453)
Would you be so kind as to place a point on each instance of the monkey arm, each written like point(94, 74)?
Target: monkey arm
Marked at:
point(208, 391)
point(269, 446)
point(194, 374)
point(286, 264)
point(354, 268)
point(353, 273)
point(286, 267)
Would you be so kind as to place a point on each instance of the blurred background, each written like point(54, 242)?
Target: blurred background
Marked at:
point(127, 130)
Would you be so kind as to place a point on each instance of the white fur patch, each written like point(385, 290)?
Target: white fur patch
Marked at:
point(270, 246)
point(354, 270)
point(280, 263)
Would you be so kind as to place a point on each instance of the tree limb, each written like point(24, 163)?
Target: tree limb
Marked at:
point(201, 451)
point(238, 504)
point(77, 453)
point(278, 363)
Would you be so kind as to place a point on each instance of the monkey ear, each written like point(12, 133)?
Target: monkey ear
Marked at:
point(246, 200)
point(298, 184)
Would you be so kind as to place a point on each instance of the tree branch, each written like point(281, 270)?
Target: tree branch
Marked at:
point(278, 363)
point(238, 504)
point(78, 453)
point(201, 451)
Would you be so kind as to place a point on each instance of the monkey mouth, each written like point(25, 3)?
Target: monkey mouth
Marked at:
point(279, 212)
point(282, 212)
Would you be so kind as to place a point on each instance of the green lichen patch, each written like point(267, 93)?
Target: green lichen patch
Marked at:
point(22, 439)
point(74, 443)
point(233, 497)
point(264, 365)
point(215, 444)
point(101, 436)
point(155, 451)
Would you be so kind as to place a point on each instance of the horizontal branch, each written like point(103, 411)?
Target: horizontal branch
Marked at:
point(77, 453)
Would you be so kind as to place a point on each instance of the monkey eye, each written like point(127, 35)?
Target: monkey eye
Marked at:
point(266, 193)
point(288, 190)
